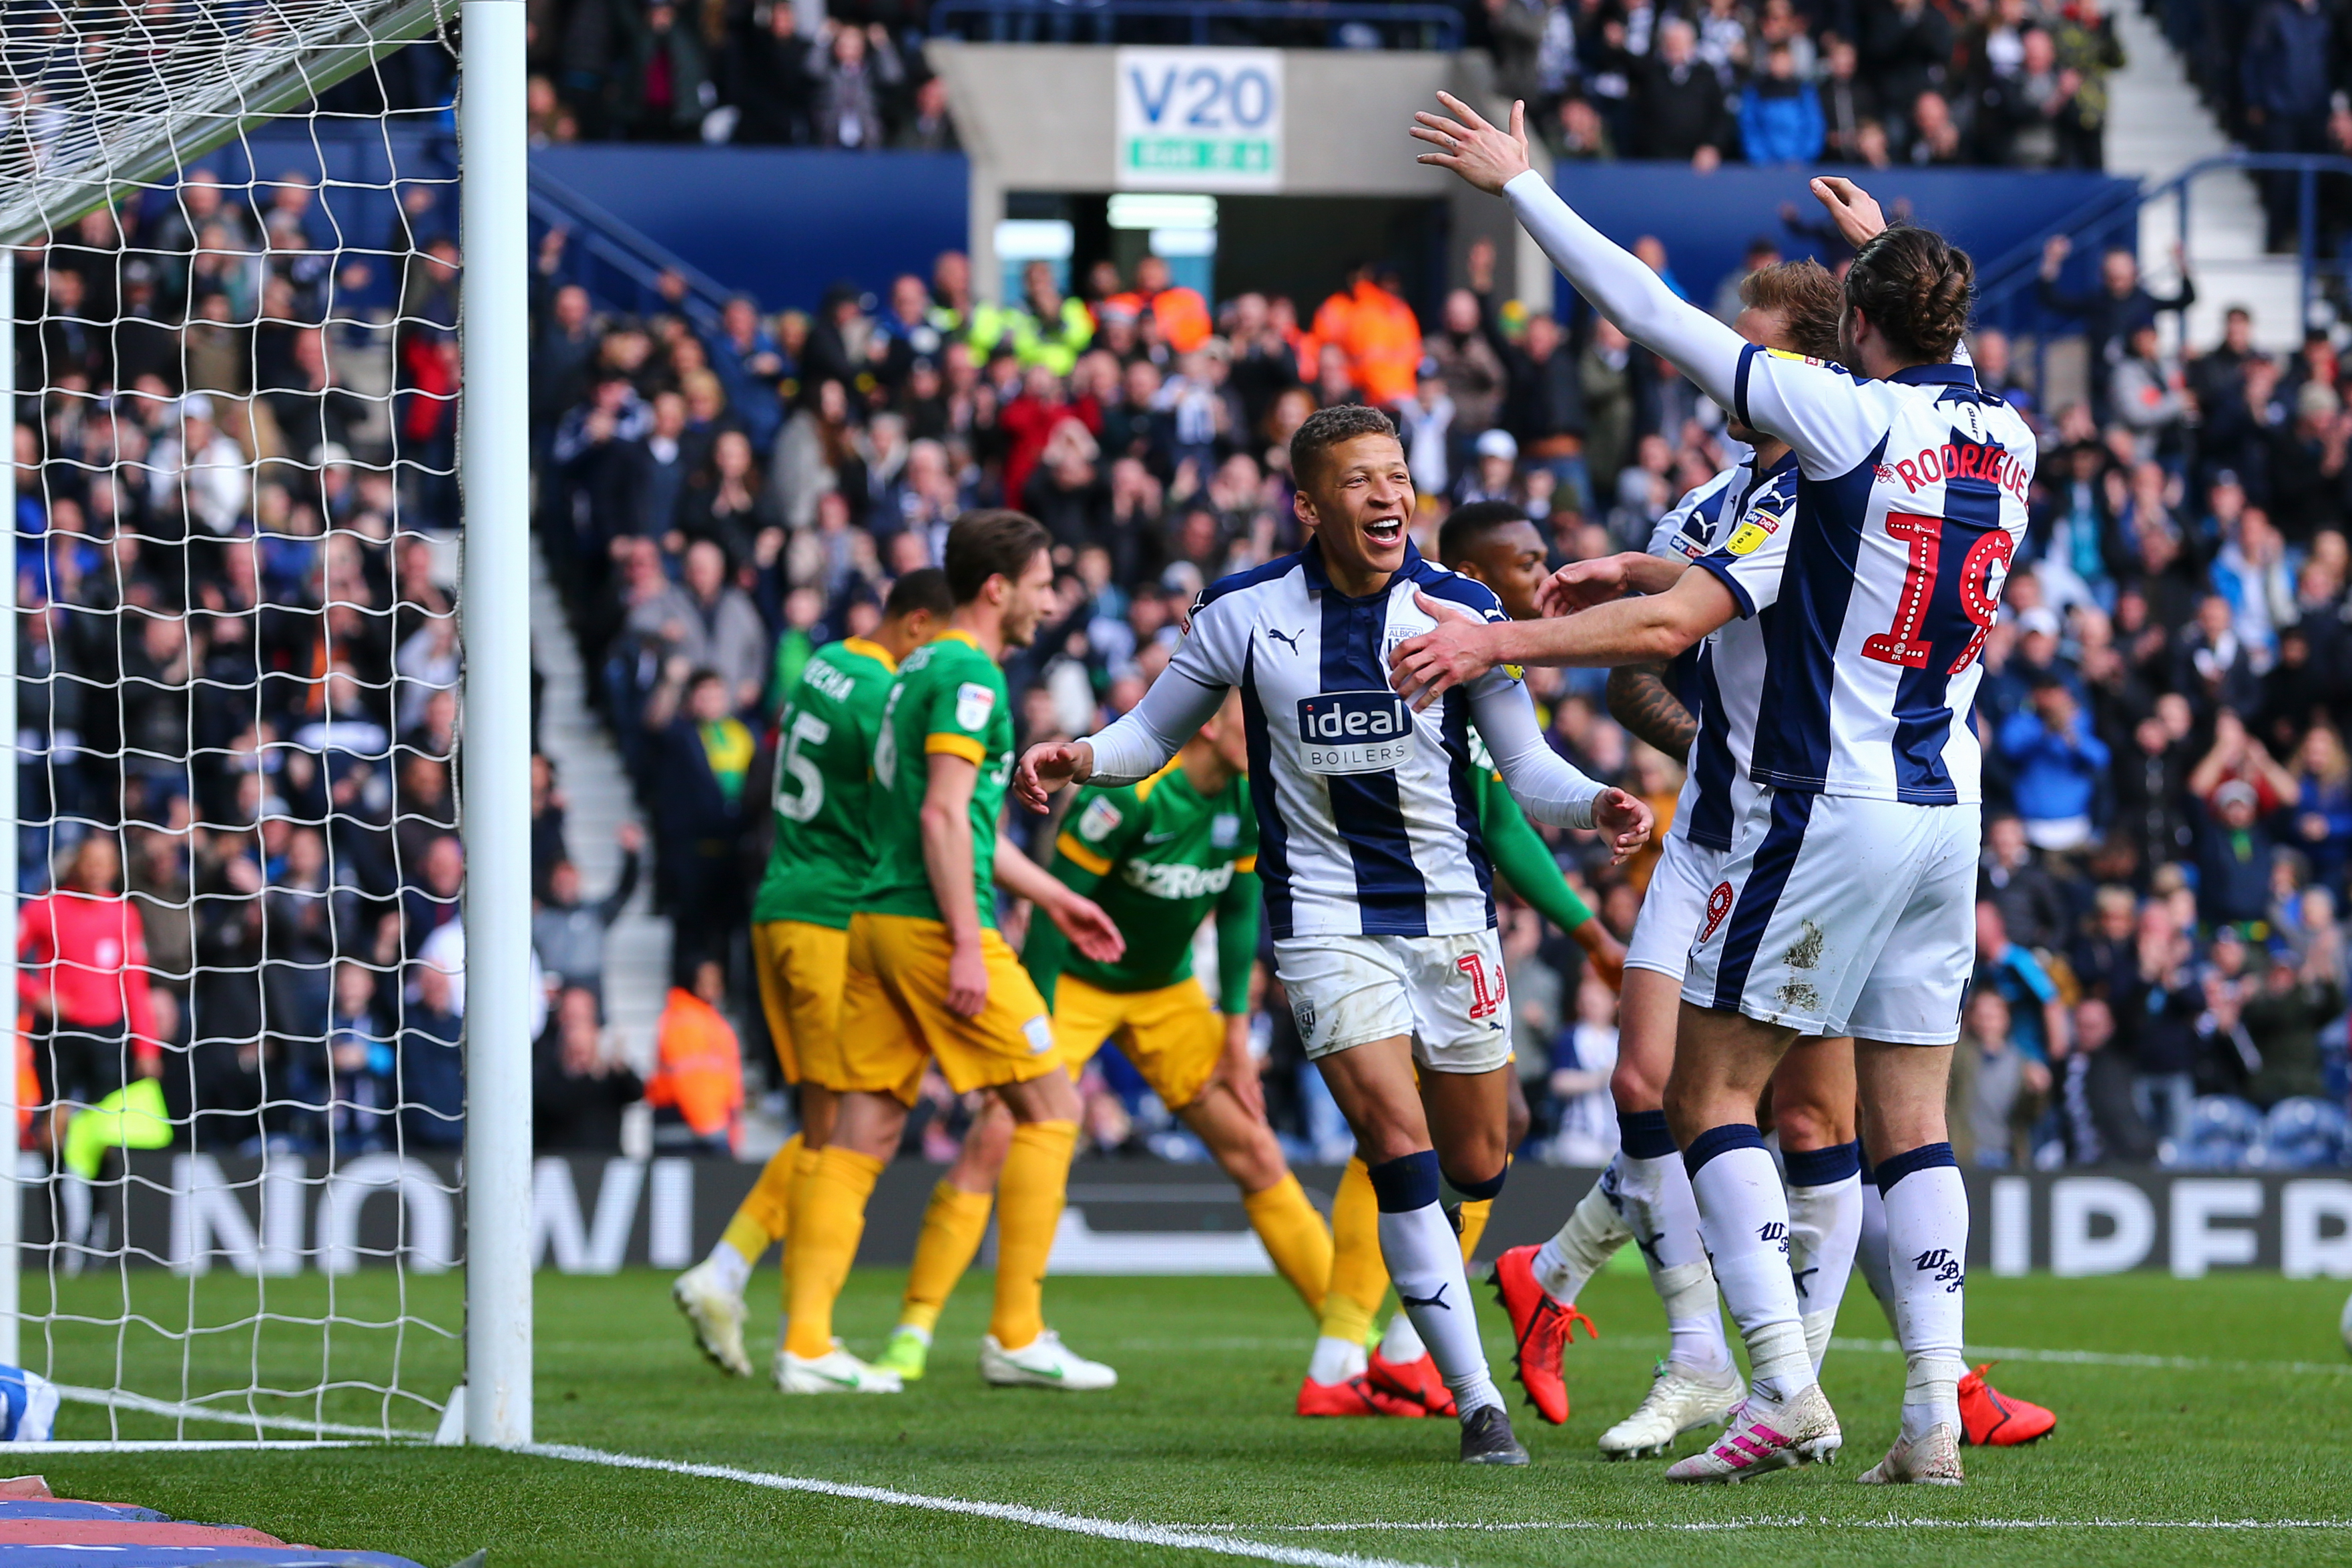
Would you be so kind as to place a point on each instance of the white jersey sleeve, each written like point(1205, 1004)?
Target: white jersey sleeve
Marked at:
point(1751, 555)
point(1551, 790)
point(1833, 421)
point(1207, 663)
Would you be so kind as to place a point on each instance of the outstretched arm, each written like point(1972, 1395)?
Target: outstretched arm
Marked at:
point(1627, 631)
point(1544, 782)
point(1619, 286)
point(1138, 745)
point(1639, 699)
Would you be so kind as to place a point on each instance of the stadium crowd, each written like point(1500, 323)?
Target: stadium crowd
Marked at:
point(2172, 815)
point(1868, 82)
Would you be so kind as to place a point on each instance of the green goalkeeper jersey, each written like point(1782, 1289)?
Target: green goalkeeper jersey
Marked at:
point(824, 747)
point(950, 699)
point(1158, 856)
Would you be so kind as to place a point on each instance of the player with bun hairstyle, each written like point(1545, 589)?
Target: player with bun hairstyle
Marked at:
point(1845, 903)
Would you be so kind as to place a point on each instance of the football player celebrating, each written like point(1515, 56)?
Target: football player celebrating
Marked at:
point(1846, 905)
point(1376, 880)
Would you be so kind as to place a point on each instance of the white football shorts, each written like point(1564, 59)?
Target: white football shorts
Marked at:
point(1446, 992)
point(1842, 915)
point(1674, 905)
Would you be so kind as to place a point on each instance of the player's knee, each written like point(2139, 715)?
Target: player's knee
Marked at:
point(1803, 1123)
point(1479, 1189)
point(1253, 1159)
point(1635, 1087)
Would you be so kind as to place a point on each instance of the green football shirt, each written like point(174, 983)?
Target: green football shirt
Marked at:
point(1158, 856)
point(824, 746)
point(949, 698)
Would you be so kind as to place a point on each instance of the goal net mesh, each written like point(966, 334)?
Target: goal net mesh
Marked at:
point(237, 851)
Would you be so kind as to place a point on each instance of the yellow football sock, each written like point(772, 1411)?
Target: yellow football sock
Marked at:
point(952, 1227)
point(829, 1219)
point(803, 1166)
point(1029, 1192)
point(1358, 1277)
point(1294, 1236)
point(765, 1215)
point(1473, 1224)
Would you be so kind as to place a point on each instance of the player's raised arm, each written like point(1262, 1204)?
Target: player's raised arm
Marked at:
point(1619, 284)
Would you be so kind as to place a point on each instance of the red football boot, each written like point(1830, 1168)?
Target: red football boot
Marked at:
point(2002, 1420)
point(1414, 1380)
point(1541, 1328)
point(1357, 1396)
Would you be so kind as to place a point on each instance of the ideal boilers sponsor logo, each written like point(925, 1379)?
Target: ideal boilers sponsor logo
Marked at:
point(1354, 732)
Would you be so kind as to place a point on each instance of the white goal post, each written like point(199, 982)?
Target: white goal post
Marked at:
point(166, 86)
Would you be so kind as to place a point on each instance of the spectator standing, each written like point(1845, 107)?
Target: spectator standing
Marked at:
point(2110, 314)
point(2233, 858)
point(1377, 332)
point(1995, 1094)
point(2283, 1021)
point(2284, 77)
point(432, 1064)
point(2037, 1018)
point(1780, 114)
point(568, 932)
point(1678, 106)
point(705, 760)
point(773, 83)
point(581, 1085)
point(2059, 765)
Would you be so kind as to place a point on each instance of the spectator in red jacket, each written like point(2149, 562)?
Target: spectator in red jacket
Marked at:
point(82, 972)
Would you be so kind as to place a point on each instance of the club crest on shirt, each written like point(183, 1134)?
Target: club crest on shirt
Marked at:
point(1098, 820)
point(974, 702)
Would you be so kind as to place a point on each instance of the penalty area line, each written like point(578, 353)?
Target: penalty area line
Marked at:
point(1180, 1537)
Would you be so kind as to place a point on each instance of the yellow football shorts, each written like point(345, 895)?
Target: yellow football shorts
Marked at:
point(1174, 1036)
point(894, 1012)
point(801, 971)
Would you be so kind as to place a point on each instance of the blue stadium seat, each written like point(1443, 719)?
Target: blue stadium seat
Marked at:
point(2224, 1134)
point(2303, 1132)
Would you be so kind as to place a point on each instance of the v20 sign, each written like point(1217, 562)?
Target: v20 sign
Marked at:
point(1200, 119)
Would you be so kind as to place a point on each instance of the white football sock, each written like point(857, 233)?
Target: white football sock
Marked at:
point(1694, 1317)
point(734, 1270)
point(1335, 1361)
point(1583, 1246)
point(1869, 1249)
point(1927, 1245)
point(1401, 1342)
point(1744, 1218)
point(1424, 1259)
point(1824, 1224)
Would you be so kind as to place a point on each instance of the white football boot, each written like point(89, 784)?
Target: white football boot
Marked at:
point(1933, 1460)
point(1681, 1399)
point(835, 1372)
point(717, 1315)
point(1765, 1436)
point(1043, 1363)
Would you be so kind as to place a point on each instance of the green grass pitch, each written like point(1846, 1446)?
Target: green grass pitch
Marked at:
point(1198, 1435)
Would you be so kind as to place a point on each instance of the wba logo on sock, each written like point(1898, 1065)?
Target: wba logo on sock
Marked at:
point(1775, 1232)
point(1946, 1268)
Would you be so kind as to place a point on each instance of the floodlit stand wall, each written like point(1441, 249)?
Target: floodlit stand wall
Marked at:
point(1042, 117)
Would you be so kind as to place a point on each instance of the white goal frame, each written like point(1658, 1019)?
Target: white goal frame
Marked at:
point(494, 479)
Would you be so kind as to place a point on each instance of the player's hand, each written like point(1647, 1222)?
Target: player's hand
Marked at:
point(1488, 158)
point(1581, 584)
point(967, 979)
point(1456, 651)
point(1854, 210)
point(1045, 768)
point(1089, 929)
point(1237, 1068)
point(1626, 819)
point(1601, 949)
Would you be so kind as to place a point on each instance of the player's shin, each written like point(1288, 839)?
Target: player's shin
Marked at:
point(1424, 1259)
point(1824, 1225)
point(1744, 1220)
point(954, 1222)
point(1583, 1246)
point(1030, 1196)
point(1927, 1245)
point(1870, 1244)
point(828, 1219)
point(765, 1215)
point(1293, 1236)
point(1359, 1279)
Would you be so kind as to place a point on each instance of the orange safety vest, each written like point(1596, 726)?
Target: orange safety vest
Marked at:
point(700, 1067)
point(1182, 315)
point(1380, 335)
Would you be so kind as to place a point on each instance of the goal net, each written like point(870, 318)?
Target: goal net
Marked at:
point(237, 843)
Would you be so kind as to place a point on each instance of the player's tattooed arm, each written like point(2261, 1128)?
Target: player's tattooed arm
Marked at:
point(1639, 699)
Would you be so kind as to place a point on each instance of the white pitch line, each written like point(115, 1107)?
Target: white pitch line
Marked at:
point(1798, 1521)
point(180, 1410)
point(1181, 1538)
point(2107, 1358)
